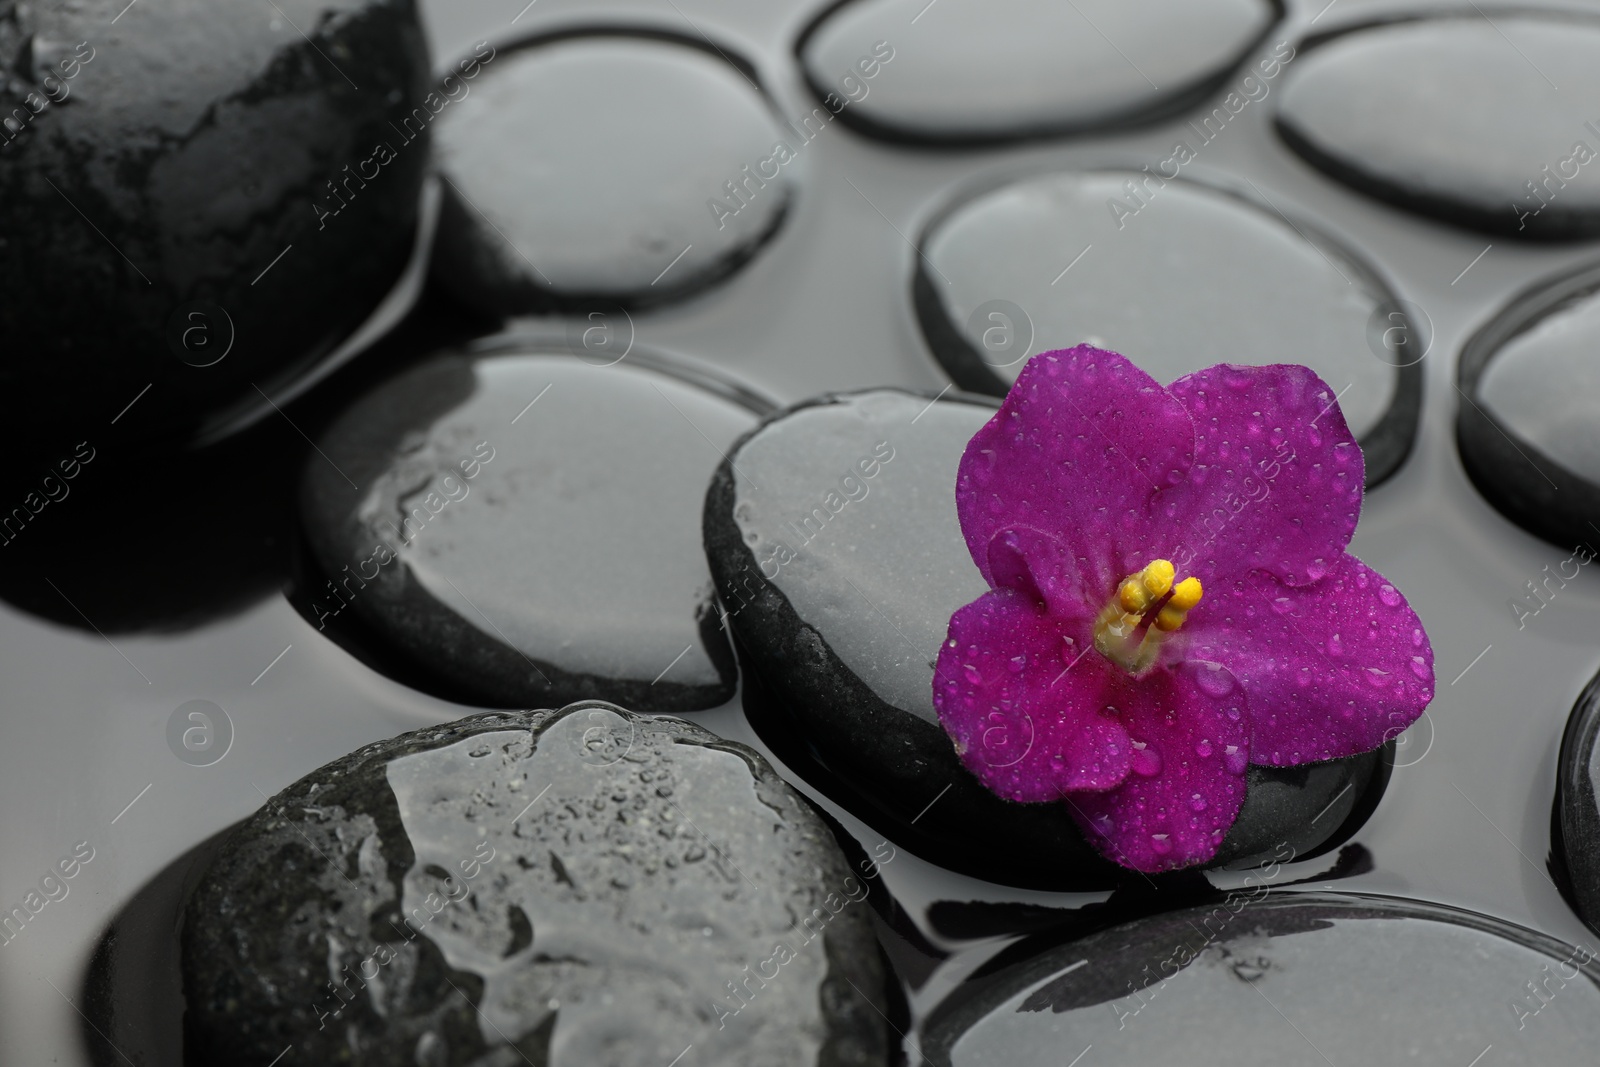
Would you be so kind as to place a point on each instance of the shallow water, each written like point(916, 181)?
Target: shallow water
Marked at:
point(825, 306)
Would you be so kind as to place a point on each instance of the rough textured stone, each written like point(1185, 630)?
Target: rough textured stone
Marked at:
point(565, 887)
point(190, 146)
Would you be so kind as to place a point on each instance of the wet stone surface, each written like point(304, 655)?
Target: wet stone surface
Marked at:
point(1176, 276)
point(1529, 433)
point(167, 160)
point(1067, 66)
point(560, 888)
point(1578, 804)
point(585, 166)
point(839, 559)
point(1293, 978)
point(1484, 124)
point(523, 527)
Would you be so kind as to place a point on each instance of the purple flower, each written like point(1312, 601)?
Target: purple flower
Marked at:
point(1171, 599)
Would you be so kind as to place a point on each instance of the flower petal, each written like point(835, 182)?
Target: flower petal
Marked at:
point(1082, 443)
point(1332, 669)
point(1277, 477)
point(1043, 569)
point(1191, 740)
point(1020, 699)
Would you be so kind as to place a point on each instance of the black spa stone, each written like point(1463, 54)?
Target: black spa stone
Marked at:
point(607, 165)
point(520, 527)
point(833, 538)
point(1486, 123)
point(1578, 804)
point(1302, 978)
point(164, 158)
point(1528, 423)
point(584, 886)
point(1175, 275)
point(1010, 69)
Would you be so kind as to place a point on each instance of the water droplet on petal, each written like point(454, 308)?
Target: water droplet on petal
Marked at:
point(1316, 569)
point(973, 674)
point(1419, 667)
point(1214, 679)
point(1234, 759)
point(1377, 679)
point(1016, 663)
point(1389, 595)
point(1146, 760)
point(1416, 637)
point(1159, 844)
point(1335, 646)
point(1203, 748)
point(1197, 802)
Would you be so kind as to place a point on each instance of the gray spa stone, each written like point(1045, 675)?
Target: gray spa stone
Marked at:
point(833, 538)
point(520, 524)
point(155, 163)
point(1294, 978)
point(1176, 276)
point(583, 166)
point(565, 888)
point(1528, 427)
point(963, 71)
point(1484, 123)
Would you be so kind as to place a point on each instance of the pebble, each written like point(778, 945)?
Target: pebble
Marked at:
point(567, 887)
point(522, 524)
point(1176, 276)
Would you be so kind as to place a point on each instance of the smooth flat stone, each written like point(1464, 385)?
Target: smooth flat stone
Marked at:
point(1296, 978)
point(524, 526)
point(584, 166)
point(1175, 276)
point(1067, 67)
point(1578, 804)
point(1529, 431)
point(833, 538)
point(1486, 124)
point(187, 148)
point(567, 888)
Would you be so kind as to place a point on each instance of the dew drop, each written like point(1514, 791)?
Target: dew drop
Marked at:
point(1203, 748)
point(1416, 637)
point(1377, 679)
point(1335, 646)
point(1419, 667)
point(1159, 844)
point(1234, 759)
point(1016, 663)
point(1197, 802)
point(973, 674)
point(1316, 569)
point(1214, 679)
point(1389, 595)
point(1146, 760)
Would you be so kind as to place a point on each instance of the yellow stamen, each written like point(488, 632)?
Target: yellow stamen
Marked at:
point(1137, 595)
point(1157, 577)
point(1176, 609)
